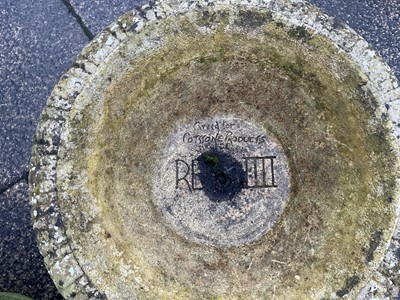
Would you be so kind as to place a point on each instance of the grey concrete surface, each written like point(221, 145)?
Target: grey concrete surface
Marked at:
point(38, 40)
point(22, 269)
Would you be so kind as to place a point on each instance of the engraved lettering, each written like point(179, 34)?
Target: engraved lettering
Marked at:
point(202, 138)
point(260, 172)
point(231, 138)
point(196, 183)
point(178, 164)
point(206, 126)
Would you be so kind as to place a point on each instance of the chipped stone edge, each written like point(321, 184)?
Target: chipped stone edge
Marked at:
point(47, 220)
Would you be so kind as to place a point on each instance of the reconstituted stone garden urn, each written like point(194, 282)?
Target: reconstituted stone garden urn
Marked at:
point(221, 150)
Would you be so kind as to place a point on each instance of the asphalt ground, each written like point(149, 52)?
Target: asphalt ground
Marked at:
point(38, 42)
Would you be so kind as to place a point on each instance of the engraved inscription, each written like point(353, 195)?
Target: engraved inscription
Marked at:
point(222, 136)
point(222, 181)
point(221, 133)
point(259, 173)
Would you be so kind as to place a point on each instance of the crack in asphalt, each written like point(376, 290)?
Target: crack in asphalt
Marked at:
point(23, 177)
point(79, 19)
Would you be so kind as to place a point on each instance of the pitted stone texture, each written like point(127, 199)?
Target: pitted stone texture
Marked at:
point(127, 267)
point(258, 198)
point(98, 14)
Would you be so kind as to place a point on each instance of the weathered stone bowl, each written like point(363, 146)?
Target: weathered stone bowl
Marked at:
point(220, 150)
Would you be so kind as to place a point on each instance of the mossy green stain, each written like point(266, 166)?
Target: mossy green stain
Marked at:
point(252, 19)
point(300, 33)
point(211, 159)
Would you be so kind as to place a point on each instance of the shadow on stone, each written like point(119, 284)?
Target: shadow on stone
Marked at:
point(221, 175)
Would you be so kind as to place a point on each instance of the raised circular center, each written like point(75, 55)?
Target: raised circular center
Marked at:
point(221, 181)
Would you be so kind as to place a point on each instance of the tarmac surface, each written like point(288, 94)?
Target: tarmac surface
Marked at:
point(38, 42)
